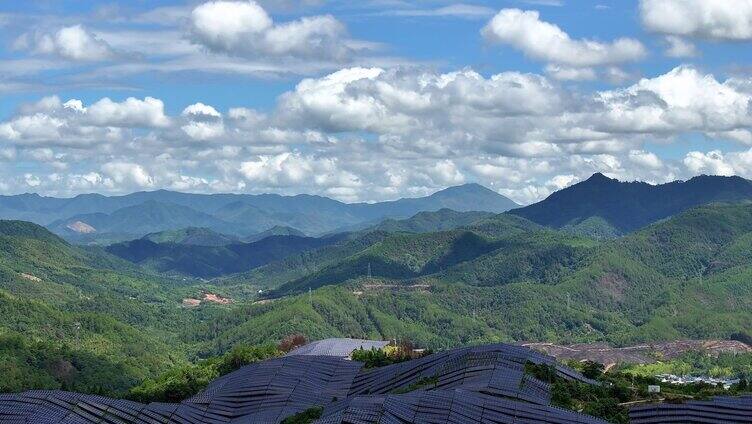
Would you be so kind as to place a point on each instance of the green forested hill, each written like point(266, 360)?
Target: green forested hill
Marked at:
point(426, 222)
point(203, 253)
point(686, 277)
point(23, 230)
point(308, 263)
point(193, 236)
point(594, 227)
point(621, 207)
point(399, 256)
point(498, 241)
point(300, 265)
point(213, 261)
point(277, 230)
point(80, 319)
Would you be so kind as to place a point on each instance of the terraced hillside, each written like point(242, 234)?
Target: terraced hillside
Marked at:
point(494, 383)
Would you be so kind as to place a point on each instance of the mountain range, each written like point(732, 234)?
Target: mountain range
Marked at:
point(203, 253)
point(193, 236)
point(207, 261)
point(94, 218)
point(599, 207)
point(654, 267)
point(603, 205)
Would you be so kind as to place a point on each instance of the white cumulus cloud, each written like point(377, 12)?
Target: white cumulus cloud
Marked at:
point(73, 43)
point(711, 19)
point(525, 31)
point(131, 112)
point(711, 162)
point(128, 174)
point(244, 28)
point(380, 133)
point(204, 122)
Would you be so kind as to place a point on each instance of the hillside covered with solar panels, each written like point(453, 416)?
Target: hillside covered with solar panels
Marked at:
point(468, 385)
point(316, 383)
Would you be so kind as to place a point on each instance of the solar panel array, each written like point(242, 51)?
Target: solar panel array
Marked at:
point(265, 392)
point(445, 406)
point(272, 390)
point(722, 409)
point(468, 385)
point(337, 347)
point(495, 369)
point(53, 407)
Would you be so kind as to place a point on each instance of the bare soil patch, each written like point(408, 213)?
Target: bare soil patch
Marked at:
point(30, 277)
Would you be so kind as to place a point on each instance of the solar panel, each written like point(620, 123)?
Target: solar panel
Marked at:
point(467, 385)
point(341, 347)
point(445, 406)
point(721, 409)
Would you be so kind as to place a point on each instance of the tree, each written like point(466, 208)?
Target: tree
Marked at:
point(291, 342)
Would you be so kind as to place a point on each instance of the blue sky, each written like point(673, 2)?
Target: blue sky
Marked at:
point(370, 100)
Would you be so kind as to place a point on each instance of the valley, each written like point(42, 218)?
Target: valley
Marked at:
point(79, 315)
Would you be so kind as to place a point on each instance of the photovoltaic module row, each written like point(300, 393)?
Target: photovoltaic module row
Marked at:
point(467, 385)
point(445, 406)
point(721, 409)
point(494, 369)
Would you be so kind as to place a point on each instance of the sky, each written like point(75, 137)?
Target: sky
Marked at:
point(370, 100)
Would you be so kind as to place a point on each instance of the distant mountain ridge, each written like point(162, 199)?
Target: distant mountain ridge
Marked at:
point(203, 253)
point(241, 215)
point(196, 236)
point(212, 261)
point(628, 206)
point(148, 217)
point(424, 222)
point(599, 207)
point(277, 230)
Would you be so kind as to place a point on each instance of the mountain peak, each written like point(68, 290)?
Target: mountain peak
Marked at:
point(469, 188)
point(472, 186)
point(600, 177)
point(628, 206)
point(471, 196)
